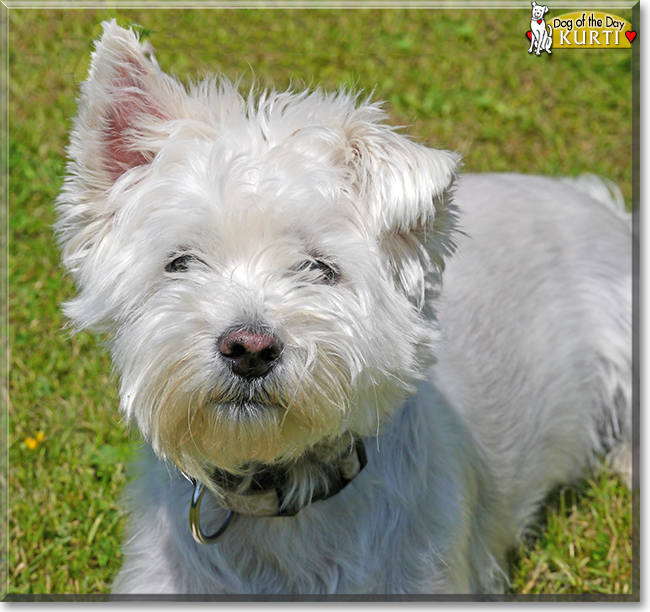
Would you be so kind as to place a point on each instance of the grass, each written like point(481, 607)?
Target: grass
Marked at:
point(459, 79)
point(582, 544)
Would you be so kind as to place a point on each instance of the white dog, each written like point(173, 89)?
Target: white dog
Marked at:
point(269, 274)
point(539, 34)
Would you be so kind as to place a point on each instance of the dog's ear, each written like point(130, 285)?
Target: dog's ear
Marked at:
point(402, 183)
point(124, 110)
point(405, 188)
point(124, 102)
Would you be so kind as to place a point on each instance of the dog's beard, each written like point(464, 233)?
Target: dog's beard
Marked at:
point(197, 413)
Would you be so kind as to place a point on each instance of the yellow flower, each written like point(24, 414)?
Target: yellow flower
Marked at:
point(32, 443)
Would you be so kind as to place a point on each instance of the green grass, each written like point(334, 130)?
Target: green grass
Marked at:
point(582, 545)
point(459, 79)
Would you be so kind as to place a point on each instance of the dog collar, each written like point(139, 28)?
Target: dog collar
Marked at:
point(265, 496)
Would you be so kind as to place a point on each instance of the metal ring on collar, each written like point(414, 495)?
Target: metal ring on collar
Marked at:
point(195, 525)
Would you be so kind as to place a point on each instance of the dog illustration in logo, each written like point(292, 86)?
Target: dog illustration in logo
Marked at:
point(538, 32)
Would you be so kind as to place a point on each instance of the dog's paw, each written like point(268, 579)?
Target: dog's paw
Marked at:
point(619, 460)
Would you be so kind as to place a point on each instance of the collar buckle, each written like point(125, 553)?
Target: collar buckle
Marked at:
point(267, 502)
point(195, 525)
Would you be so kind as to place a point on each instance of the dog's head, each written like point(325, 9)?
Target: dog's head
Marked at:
point(261, 266)
point(539, 10)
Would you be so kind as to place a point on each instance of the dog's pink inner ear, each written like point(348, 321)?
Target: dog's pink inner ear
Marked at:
point(132, 106)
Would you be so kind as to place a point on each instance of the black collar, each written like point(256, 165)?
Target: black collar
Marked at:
point(263, 495)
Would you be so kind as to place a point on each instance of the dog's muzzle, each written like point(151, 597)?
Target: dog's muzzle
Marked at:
point(264, 498)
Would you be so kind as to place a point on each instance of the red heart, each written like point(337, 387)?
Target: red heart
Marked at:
point(630, 35)
point(530, 35)
point(539, 21)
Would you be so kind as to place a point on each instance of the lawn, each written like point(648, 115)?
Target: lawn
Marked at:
point(457, 79)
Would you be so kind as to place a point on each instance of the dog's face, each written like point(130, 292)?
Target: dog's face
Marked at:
point(260, 267)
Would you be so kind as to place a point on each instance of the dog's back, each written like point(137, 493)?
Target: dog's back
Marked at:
point(536, 314)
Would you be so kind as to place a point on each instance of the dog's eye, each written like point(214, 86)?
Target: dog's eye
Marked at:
point(327, 273)
point(181, 263)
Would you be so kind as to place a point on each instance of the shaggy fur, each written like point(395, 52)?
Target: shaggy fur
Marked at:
point(192, 216)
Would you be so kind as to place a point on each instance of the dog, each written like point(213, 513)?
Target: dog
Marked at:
point(355, 371)
point(539, 34)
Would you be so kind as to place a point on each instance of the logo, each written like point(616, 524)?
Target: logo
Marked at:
point(541, 39)
point(584, 30)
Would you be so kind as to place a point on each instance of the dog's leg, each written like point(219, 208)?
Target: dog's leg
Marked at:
point(537, 39)
point(549, 39)
point(532, 39)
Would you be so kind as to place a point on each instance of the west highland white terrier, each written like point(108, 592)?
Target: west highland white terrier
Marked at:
point(327, 411)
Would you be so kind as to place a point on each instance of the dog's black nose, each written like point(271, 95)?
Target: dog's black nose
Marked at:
point(250, 354)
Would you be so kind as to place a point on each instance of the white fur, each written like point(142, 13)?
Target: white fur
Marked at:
point(531, 379)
